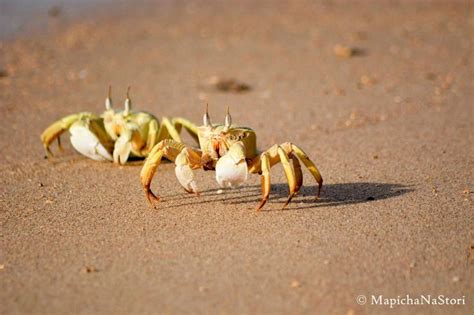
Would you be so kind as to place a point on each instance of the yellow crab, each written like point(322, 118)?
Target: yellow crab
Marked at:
point(116, 135)
point(232, 152)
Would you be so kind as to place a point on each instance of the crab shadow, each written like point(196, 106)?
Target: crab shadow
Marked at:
point(331, 195)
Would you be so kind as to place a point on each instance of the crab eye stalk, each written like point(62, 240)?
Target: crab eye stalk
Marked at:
point(128, 102)
point(228, 120)
point(206, 120)
point(108, 100)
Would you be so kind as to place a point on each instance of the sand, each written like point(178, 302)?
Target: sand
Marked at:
point(390, 128)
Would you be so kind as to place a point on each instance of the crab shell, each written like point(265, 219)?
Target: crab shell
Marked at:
point(227, 148)
point(130, 131)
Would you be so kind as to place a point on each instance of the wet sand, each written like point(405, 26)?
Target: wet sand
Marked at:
point(390, 128)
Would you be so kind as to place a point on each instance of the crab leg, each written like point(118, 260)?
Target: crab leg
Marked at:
point(59, 144)
point(152, 138)
point(186, 160)
point(55, 130)
point(167, 148)
point(167, 130)
point(309, 165)
point(172, 128)
point(265, 169)
point(272, 156)
point(298, 172)
point(290, 174)
point(189, 126)
point(284, 153)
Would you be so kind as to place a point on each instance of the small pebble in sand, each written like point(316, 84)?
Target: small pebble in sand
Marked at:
point(220, 191)
point(466, 191)
point(54, 11)
point(89, 269)
point(343, 51)
point(447, 82)
point(82, 74)
point(227, 84)
point(435, 191)
point(375, 157)
point(295, 284)
point(456, 279)
point(366, 81)
point(3, 73)
point(202, 289)
point(413, 264)
point(430, 76)
point(339, 91)
point(2, 267)
point(359, 35)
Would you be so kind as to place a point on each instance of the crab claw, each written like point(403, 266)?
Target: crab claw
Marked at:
point(123, 148)
point(87, 143)
point(185, 176)
point(231, 169)
point(55, 130)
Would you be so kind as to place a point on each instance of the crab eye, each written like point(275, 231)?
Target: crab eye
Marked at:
point(128, 102)
point(108, 100)
point(206, 119)
point(108, 103)
point(128, 105)
point(228, 119)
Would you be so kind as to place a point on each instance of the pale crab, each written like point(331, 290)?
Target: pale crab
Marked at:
point(232, 152)
point(116, 135)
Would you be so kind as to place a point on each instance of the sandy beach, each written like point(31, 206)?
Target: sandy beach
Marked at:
point(379, 94)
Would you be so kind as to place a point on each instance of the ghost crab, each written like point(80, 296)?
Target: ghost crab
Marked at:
point(115, 135)
point(232, 152)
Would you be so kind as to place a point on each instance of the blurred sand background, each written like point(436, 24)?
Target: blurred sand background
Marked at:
point(390, 128)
